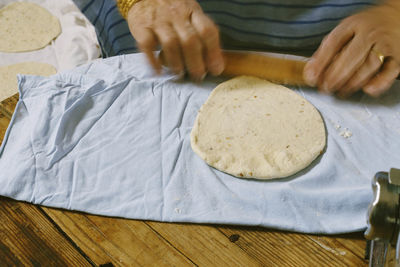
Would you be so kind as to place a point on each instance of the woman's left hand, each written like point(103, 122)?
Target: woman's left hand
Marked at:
point(362, 52)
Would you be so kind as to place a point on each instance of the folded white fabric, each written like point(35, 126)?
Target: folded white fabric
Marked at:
point(110, 138)
point(76, 45)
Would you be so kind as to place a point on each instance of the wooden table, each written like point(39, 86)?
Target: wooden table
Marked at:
point(36, 235)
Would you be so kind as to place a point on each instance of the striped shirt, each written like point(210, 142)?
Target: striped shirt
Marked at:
point(285, 25)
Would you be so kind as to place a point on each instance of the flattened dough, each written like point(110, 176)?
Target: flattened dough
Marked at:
point(8, 75)
point(252, 128)
point(26, 26)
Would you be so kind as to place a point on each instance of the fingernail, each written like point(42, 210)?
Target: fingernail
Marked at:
point(372, 91)
point(217, 68)
point(310, 76)
point(325, 88)
point(199, 79)
point(180, 74)
point(368, 89)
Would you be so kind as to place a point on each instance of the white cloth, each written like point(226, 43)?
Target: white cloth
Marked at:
point(110, 138)
point(77, 44)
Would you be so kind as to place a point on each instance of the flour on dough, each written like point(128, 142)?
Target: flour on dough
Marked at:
point(8, 75)
point(252, 128)
point(26, 26)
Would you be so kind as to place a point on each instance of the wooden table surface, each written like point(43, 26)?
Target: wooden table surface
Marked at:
point(39, 236)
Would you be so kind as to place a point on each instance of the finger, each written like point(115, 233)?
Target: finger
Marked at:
point(326, 52)
point(367, 70)
point(192, 49)
point(384, 79)
point(147, 43)
point(348, 61)
point(209, 34)
point(170, 45)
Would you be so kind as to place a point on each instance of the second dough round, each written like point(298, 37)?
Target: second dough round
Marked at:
point(26, 27)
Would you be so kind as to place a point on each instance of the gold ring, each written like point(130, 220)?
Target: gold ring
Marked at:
point(381, 57)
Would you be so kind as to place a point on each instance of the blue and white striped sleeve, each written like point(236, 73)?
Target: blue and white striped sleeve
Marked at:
point(111, 29)
point(289, 25)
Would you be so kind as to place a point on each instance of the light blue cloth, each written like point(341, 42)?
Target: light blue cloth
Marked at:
point(110, 138)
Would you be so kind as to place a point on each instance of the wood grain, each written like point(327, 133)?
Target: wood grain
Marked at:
point(118, 241)
point(354, 242)
point(7, 106)
point(293, 249)
point(28, 238)
point(204, 244)
point(4, 121)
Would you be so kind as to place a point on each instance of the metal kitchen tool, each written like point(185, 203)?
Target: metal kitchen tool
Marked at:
point(384, 220)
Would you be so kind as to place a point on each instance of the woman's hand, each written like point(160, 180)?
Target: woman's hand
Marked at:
point(189, 39)
point(350, 58)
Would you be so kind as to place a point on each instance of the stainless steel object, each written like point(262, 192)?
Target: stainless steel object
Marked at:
point(384, 219)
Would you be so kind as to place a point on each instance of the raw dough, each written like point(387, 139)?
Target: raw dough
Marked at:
point(8, 75)
point(252, 128)
point(26, 27)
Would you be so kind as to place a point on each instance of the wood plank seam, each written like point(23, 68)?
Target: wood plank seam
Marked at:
point(67, 237)
point(82, 231)
point(104, 236)
point(32, 238)
point(97, 230)
point(169, 243)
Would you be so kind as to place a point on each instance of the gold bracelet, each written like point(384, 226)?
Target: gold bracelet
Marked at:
point(125, 5)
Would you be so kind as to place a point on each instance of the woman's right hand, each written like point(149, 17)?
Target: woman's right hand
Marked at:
point(189, 39)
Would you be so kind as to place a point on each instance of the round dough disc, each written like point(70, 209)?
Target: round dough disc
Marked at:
point(8, 75)
point(26, 27)
point(252, 128)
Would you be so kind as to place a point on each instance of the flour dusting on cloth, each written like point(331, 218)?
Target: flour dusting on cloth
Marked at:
point(109, 138)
